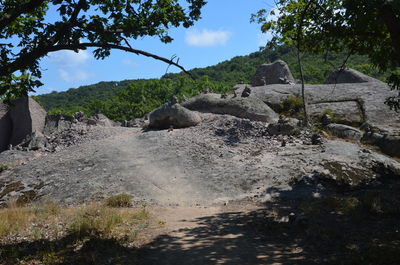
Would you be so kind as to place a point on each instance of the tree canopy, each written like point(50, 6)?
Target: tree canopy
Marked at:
point(367, 27)
point(27, 34)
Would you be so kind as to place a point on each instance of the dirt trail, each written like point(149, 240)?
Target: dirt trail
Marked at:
point(231, 234)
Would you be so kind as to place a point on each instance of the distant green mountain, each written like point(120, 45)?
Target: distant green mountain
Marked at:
point(132, 98)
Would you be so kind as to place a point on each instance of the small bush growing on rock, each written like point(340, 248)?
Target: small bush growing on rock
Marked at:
point(4, 167)
point(119, 200)
point(334, 118)
point(291, 106)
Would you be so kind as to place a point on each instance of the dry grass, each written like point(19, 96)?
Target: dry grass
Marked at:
point(48, 218)
point(58, 233)
point(119, 200)
point(14, 218)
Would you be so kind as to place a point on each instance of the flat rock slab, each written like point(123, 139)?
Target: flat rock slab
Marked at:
point(247, 108)
point(222, 159)
point(347, 112)
point(344, 131)
point(369, 97)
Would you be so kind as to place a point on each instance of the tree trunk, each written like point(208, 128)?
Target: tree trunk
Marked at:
point(303, 96)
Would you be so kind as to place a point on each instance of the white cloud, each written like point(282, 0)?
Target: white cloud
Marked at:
point(129, 63)
point(69, 58)
point(207, 38)
point(263, 38)
point(73, 76)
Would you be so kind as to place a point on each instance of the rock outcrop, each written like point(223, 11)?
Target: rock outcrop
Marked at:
point(5, 126)
point(277, 72)
point(173, 115)
point(247, 108)
point(349, 75)
point(22, 118)
point(27, 117)
point(351, 104)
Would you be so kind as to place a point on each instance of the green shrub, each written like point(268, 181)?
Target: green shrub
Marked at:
point(292, 106)
point(4, 167)
point(119, 200)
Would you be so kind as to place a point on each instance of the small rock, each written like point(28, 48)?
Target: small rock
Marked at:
point(246, 92)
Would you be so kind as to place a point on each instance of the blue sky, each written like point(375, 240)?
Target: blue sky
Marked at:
point(223, 32)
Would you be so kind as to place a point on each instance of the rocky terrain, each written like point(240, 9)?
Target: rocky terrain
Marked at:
point(241, 149)
point(230, 179)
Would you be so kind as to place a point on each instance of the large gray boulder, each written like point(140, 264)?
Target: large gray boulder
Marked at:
point(349, 75)
point(277, 72)
point(5, 127)
point(173, 115)
point(27, 117)
point(247, 108)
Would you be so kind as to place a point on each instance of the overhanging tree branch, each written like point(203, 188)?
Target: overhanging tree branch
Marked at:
point(39, 53)
point(8, 17)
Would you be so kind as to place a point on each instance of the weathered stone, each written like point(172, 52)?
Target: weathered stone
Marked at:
point(58, 122)
point(102, 120)
point(274, 73)
point(27, 116)
point(316, 139)
point(349, 75)
point(248, 108)
point(5, 127)
point(246, 92)
point(79, 115)
point(389, 145)
point(134, 123)
point(344, 131)
point(173, 115)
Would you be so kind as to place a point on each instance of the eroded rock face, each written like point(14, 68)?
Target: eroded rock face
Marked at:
point(247, 108)
point(5, 127)
point(173, 115)
point(349, 75)
point(27, 117)
point(274, 73)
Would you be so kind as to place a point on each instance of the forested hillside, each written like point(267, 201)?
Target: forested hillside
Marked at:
point(128, 99)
